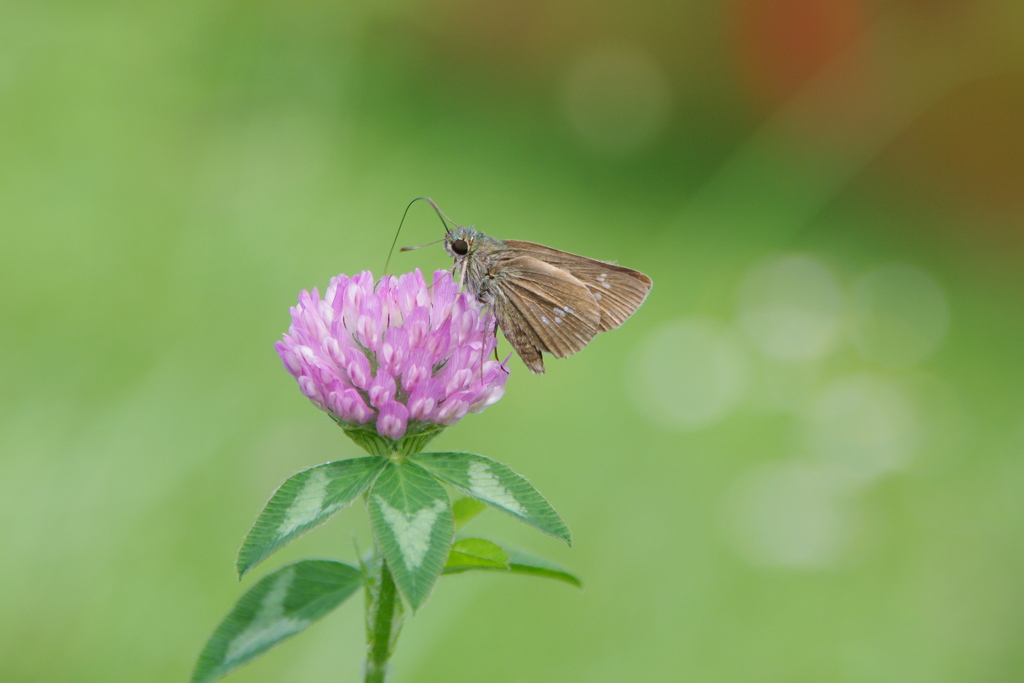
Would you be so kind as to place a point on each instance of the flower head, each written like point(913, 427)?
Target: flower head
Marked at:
point(399, 357)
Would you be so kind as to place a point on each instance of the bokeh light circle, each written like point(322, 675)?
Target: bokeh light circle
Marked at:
point(616, 99)
point(866, 425)
point(899, 315)
point(689, 374)
point(796, 514)
point(791, 307)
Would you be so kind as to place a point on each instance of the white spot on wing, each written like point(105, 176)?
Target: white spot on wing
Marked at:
point(544, 319)
point(605, 285)
point(597, 296)
point(411, 531)
point(558, 320)
point(308, 503)
point(484, 484)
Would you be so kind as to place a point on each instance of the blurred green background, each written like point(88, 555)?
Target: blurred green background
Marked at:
point(800, 461)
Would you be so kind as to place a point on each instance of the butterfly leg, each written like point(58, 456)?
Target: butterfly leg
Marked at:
point(494, 331)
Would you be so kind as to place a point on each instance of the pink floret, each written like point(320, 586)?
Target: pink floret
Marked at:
point(396, 351)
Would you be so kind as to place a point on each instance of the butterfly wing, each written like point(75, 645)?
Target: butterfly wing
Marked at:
point(541, 308)
point(618, 291)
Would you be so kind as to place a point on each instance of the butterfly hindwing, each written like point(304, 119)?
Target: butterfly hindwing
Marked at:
point(542, 308)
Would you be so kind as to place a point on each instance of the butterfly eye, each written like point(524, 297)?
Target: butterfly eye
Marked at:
point(460, 247)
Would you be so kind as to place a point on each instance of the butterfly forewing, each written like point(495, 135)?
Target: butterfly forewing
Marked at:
point(617, 291)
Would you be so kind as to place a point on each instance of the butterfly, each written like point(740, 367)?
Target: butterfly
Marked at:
point(545, 300)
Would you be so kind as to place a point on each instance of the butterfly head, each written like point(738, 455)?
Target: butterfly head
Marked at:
point(461, 242)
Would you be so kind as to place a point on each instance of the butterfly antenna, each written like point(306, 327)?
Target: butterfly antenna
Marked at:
point(420, 246)
point(440, 214)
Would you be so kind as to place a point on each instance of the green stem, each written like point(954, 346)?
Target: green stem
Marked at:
point(383, 620)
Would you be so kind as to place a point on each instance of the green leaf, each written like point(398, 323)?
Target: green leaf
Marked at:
point(498, 486)
point(476, 553)
point(280, 605)
point(303, 502)
point(520, 562)
point(412, 521)
point(465, 510)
